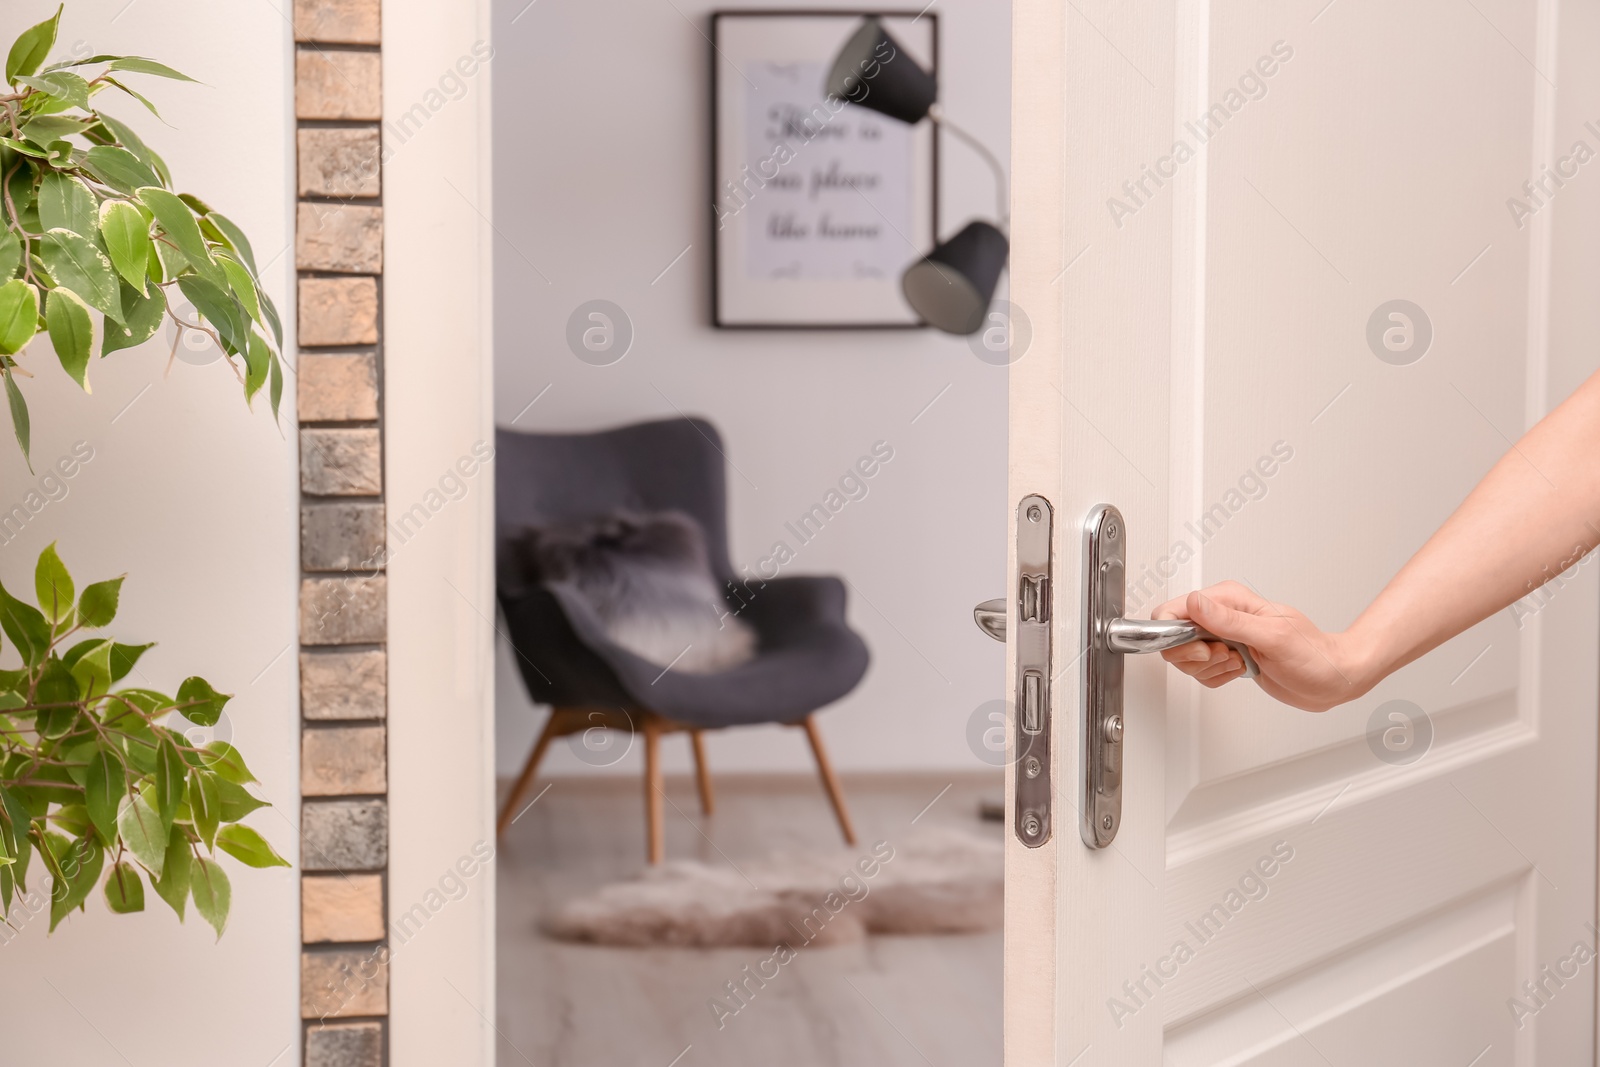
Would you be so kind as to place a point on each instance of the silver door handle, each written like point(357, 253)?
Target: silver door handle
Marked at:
point(1126, 635)
point(991, 618)
point(1156, 635)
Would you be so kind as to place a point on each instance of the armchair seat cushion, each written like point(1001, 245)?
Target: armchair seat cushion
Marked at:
point(807, 657)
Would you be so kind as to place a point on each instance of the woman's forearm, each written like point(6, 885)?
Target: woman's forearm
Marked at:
point(1535, 514)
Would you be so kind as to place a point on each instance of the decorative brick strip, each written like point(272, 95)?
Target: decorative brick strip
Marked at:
point(344, 815)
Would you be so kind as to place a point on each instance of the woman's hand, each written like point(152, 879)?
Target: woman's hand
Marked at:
point(1300, 665)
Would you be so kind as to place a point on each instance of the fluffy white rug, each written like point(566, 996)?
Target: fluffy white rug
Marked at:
point(937, 881)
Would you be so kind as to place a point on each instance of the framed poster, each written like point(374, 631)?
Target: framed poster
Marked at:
point(818, 205)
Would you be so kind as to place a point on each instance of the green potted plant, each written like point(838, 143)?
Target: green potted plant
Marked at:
point(99, 785)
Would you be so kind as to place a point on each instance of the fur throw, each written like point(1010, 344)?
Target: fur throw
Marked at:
point(648, 578)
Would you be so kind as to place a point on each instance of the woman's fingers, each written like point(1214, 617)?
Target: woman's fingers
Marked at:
point(1217, 681)
point(1195, 652)
point(1232, 663)
point(1233, 611)
point(1198, 658)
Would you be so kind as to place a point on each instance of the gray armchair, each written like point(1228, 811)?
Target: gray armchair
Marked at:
point(807, 656)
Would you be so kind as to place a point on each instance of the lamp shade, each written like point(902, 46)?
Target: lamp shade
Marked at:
point(874, 71)
point(951, 286)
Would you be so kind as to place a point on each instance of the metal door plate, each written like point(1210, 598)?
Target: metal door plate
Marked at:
point(1104, 535)
point(1031, 722)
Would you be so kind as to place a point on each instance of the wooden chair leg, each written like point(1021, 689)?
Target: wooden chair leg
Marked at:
point(831, 783)
point(509, 812)
point(656, 830)
point(702, 777)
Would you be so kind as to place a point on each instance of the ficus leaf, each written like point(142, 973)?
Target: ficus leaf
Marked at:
point(104, 790)
point(269, 310)
point(66, 203)
point(170, 774)
point(236, 801)
point(98, 604)
point(143, 315)
point(248, 847)
point(141, 830)
point(32, 151)
point(57, 696)
point(130, 140)
point(205, 807)
point(19, 315)
point(49, 130)
point(126, 229)
point(226, 761)
point(73, 819)
point(25, 625)
point(10, 254)
point(124, 889)
point(257, 360)
point(75, 761)
point(178, 221)
point(119, 168)
point(54, 785)
point(79, 861)
point(53, 585)
point(19, 412)
point(20, 823)
point(136, 95)
point(29, 50)
point(235, 238)
point(92, 671)
point(221, 309)
point(203, 703)
point(275, 386)
point(78, 265)
point(139, 744)
point(64, 63)
point(173, 885)
point(71, 333)
point(70, 88)
point(123, 658)
point(242, 285)
point(212, 894)
point(140, 65)
point(77, 651)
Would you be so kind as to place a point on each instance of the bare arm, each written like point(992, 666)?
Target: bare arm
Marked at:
point(1535, 514)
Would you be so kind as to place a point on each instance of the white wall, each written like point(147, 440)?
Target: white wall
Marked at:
point(601, 134)
point(195, 498)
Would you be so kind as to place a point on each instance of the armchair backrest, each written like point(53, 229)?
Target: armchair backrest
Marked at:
point(673, 464)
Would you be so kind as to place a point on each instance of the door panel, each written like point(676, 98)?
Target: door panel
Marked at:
point(1204, 358)
point(1393, 986)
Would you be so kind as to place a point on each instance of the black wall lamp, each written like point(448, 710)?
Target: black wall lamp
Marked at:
point(951, 286)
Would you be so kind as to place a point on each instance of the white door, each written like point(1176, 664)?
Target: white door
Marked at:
point(1290, 298)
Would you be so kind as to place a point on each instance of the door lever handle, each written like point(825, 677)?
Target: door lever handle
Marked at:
point(1126, 635)
point(991, 618)
point(1155, 635)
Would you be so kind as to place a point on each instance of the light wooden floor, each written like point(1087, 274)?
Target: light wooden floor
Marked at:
point(912, 1001)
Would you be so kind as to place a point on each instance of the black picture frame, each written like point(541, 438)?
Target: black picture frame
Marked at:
point(731, 318)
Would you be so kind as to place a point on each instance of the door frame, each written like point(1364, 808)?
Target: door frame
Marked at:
point(438, 404)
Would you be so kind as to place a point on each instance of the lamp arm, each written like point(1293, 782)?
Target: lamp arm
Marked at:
point(1002, 183)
